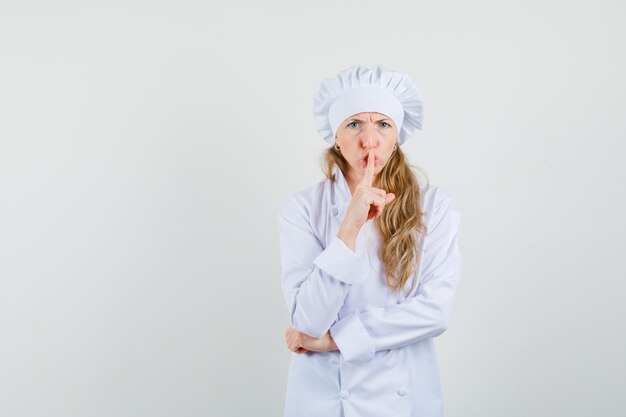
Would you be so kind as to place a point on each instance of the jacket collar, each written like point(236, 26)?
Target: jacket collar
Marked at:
point(342, 194)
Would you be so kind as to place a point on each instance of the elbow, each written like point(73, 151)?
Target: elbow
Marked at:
point(442, 323)
point(441, 328)
point(308, 327)
point(439, 322)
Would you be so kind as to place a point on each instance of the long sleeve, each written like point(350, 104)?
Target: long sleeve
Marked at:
point(314, 280)
point(427, 314)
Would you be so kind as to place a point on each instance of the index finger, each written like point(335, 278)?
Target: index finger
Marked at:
point(368, 177)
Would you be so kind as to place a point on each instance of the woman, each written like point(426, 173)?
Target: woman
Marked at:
point(370, 260)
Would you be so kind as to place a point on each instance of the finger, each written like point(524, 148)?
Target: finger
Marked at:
point(377, 201)
point(379, 191)
point(294, 337)
point(289, 334)
point(293, 345)
point(380, 210)
point(293, 341)
point(368, 178)
point(381, 207)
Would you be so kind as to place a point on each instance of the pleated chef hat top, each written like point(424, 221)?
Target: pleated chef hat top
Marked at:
point(359, 89)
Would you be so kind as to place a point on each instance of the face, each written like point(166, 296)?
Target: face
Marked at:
point(362, 132)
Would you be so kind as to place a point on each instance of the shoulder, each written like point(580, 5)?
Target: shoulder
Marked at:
point(436, 200)
point(303, 201)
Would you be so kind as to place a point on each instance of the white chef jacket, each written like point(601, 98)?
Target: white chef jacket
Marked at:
point(386, 363)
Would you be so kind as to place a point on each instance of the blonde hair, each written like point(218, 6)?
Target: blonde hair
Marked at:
point(400, 225)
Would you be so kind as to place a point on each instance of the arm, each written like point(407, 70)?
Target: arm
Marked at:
point(314, 280)
point(427, 314)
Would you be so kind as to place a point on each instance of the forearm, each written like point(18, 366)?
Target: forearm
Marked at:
point(361, 334)
point(316, 303)
point(424, 315)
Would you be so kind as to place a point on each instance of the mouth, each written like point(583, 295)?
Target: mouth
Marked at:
point(365, 159)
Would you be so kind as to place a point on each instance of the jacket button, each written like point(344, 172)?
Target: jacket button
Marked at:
point(345, 394)
point(335, 211)
point(402, 391)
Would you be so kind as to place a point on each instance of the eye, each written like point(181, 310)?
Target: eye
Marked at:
point(352, 123)
point(385, 124)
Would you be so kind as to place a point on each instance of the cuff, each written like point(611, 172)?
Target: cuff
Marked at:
point(353, 341)
point(341, 263)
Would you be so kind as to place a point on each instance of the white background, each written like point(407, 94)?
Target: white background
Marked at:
point(145, 146)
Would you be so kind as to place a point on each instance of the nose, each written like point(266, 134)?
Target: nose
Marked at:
point(368, 138)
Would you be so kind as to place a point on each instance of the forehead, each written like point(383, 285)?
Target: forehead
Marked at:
point(374, 116)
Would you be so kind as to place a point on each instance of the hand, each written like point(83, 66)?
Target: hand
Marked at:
point(301, 342)
point(367, 202)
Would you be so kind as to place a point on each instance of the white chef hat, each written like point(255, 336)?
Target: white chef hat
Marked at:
point(359, 89)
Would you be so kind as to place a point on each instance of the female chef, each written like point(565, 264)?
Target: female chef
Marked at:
point(370, 259)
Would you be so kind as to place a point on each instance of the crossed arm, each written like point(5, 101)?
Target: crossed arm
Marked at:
point(315, 282)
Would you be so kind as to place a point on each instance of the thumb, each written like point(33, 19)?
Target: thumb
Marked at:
point(389, 198)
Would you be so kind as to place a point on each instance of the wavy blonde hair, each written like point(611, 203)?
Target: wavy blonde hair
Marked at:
point(401, 224)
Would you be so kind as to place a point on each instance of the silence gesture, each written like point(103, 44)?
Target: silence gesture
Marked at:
point(367, 203)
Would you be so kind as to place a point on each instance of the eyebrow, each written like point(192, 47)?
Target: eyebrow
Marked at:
point(359, 120)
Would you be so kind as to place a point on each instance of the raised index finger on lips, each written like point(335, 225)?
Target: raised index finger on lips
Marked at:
point(368, 178)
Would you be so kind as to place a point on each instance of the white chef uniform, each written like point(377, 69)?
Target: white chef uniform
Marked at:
point(386, 364)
